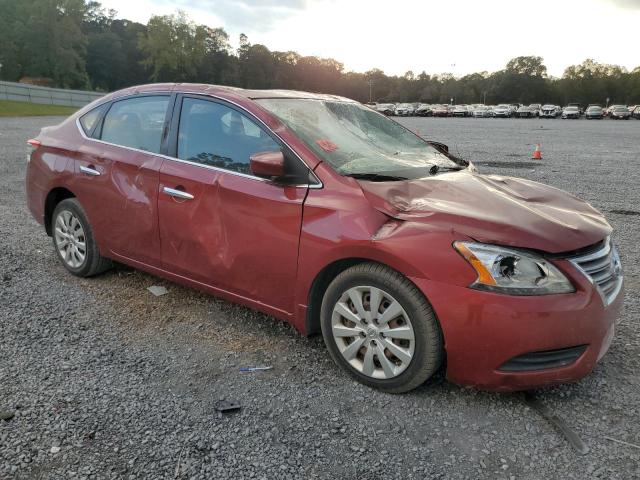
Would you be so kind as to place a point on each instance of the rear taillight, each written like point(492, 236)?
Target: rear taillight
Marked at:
point(33, 145)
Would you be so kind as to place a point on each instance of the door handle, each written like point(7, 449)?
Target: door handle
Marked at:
point(90, 171)
point(177, 193)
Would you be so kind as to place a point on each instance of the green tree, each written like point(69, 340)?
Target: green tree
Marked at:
point(44, 38)
point(106, 61)
point(170, 48)
point(531, 66)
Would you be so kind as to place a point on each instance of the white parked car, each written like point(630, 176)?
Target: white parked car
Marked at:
point(404, 110)
point(482, 112)
point(461, 111)
point(503, 111)
point(571, 111)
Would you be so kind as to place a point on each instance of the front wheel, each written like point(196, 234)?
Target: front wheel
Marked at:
point(381, 329)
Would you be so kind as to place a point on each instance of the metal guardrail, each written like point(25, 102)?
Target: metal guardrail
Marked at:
point(23, 92)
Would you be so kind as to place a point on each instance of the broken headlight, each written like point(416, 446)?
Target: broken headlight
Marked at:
point(512, 271)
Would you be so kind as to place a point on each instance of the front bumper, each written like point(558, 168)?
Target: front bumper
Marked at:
point(483, 331)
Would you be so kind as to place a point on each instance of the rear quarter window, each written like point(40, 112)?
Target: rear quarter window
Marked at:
point(89, 120)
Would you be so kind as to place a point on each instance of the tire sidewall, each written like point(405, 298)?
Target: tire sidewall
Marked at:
point(423, 328)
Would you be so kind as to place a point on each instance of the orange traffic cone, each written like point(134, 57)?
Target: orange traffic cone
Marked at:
point(537, 154)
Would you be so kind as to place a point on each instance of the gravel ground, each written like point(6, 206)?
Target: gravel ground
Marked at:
point(107, 381)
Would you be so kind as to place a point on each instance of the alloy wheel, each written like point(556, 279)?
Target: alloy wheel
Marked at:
point(70, 239)
point(373, 332)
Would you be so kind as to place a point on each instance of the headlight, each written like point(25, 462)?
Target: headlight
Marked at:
point(511, 271)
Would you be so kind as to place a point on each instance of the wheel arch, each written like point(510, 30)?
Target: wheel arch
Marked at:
point(321, 283)
point(54, 197)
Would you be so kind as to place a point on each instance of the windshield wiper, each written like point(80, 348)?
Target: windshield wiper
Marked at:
point(436, 168)
point(375, 177)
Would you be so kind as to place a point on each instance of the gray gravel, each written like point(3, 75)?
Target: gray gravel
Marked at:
point(105, 380)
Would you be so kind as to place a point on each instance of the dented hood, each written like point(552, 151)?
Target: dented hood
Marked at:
point(493, 209)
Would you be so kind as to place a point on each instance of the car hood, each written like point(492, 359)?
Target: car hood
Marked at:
point(493, 209)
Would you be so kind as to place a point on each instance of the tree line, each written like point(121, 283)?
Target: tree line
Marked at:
point(80, 44)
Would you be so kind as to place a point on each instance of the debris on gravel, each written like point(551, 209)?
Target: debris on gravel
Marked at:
point(158, 290)
point(6, 416)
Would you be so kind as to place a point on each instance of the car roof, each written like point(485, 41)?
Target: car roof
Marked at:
point(224, 91)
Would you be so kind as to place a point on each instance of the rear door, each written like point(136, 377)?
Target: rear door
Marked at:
point(118, 184)
point(219, 224)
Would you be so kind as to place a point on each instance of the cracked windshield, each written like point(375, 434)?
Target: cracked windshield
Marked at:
point(357, 141)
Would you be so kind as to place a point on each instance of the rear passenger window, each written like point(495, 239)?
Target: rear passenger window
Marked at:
point(89, 119)
point(136, 123)
point(216, 135)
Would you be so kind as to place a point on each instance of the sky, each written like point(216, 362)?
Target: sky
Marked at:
point(444, 36)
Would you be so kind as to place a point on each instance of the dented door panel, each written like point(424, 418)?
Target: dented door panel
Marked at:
point(237, 234)
point(190, 230)
point(122, 200)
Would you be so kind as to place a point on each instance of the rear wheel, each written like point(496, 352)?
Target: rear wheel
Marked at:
point(73, 240)
point(380, 328)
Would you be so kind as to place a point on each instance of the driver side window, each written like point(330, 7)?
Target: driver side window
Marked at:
point(214, 134)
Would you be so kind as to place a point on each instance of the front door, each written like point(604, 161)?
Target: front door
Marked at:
point(219, 224)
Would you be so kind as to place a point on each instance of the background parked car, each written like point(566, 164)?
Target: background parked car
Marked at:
point(549, 111)
point(404, 110)
point(386, 108)
point(577, 105)
point(424, 110)
point(636, 113)
point(593, 111)
point(503, 111)
point(620, 112)
point(482, 112)
point(571, 111)
point(440, 111)
point(460, 111)
point(524, 112)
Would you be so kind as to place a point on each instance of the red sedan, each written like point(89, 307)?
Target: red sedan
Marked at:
point(330, 216)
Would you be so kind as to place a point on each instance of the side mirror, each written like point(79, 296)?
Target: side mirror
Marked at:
point(267, 164)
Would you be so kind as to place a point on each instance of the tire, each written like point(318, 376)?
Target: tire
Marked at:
point(71, 229)
point(421, 355)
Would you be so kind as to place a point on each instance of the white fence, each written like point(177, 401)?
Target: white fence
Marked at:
point(22, 92)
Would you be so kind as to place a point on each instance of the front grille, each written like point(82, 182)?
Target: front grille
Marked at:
point(603, 268)
point(533, 361)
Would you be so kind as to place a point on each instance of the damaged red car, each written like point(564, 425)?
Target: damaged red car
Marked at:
point(328, 215)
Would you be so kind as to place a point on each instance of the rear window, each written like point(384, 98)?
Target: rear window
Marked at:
point(136, 122)
point(89, 119)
